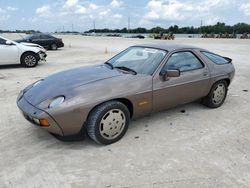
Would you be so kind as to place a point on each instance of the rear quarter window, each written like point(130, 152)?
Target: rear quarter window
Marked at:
point(217, 59)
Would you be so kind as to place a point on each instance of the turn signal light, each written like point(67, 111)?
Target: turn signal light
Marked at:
point(44, 122)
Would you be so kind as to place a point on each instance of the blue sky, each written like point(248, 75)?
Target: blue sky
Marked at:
point(52, 15)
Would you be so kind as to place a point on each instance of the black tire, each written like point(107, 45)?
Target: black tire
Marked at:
point(53, 47)
point(210, 101)
point(29, 59)
point(99, 114)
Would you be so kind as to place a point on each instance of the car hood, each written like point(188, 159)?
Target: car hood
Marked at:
point(31, 44)
point(61, 83)
point(34, 48)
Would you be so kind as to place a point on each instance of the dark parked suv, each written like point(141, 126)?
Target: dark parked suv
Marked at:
point(45, 40)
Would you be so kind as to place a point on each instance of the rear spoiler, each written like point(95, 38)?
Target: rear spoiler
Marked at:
point(228, 59)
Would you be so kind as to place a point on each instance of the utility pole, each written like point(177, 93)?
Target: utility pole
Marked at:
point(94, 25)
point(72, 28)
point(201, 27)
point(129, 24)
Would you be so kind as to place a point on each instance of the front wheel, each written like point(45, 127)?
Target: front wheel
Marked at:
point(29, 59)
point(217, 95)
point(108, 122)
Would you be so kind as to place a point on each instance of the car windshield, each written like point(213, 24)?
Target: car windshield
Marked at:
point(28, 37)
point(141, 60)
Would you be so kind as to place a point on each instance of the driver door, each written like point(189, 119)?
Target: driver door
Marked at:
point(189, 86)
point(9, 53)
point(36, 38)
point(45, 41)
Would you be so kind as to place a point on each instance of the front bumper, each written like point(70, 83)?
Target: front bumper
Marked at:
point(33, 114)
point(42, 56)
point(60, 45)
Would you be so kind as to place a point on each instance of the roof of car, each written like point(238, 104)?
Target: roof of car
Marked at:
point(168, 46)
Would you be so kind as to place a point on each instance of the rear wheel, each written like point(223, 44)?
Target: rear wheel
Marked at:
point(108, 122)
point(29, 59)
point(53, 47)
point(217, 95)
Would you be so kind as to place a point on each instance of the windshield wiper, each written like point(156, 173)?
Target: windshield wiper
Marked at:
point(126, 69)
point(109, 64)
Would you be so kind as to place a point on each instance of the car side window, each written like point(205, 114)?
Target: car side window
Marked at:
point(45, 37)
point(183, 61)
point(2, 41)
point(36, 37)
point(215, 58)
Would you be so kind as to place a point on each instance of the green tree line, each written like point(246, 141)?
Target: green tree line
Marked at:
point(238, 28)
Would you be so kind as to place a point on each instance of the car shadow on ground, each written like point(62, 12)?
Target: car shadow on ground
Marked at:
point(11, 66)
point(15, 66)
point(59, 49)
point(85, 141)
point(39, 135)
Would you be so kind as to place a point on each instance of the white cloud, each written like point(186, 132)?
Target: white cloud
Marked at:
point(245, 8)
point(116, 3)
point(152, 15)
point(81, 10)
point(117, 16)
point(75, 7)
point(71, 3)
point(105, 12)
point(2, 11)
point(212, 20)
point(102, 13)
point(44, 11)
point(207, 5)
point(10, 8)
point(3, 15)
point(31, 20)
point(167, 10)
point(93, 6)
point(188, 11)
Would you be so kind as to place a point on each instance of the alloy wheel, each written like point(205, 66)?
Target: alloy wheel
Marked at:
point(112, 124)
point(30, 60)
point(219, 94)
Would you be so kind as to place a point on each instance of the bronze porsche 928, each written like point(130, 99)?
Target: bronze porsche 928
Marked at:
point(101, 99)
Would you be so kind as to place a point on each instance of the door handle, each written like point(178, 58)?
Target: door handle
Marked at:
point(205, 73)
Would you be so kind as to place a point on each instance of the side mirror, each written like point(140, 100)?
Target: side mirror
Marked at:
point(173, 73)
point(170, 73)
point(9, 43)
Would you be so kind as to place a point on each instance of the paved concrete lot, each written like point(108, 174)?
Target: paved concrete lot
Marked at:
point(198, 148)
